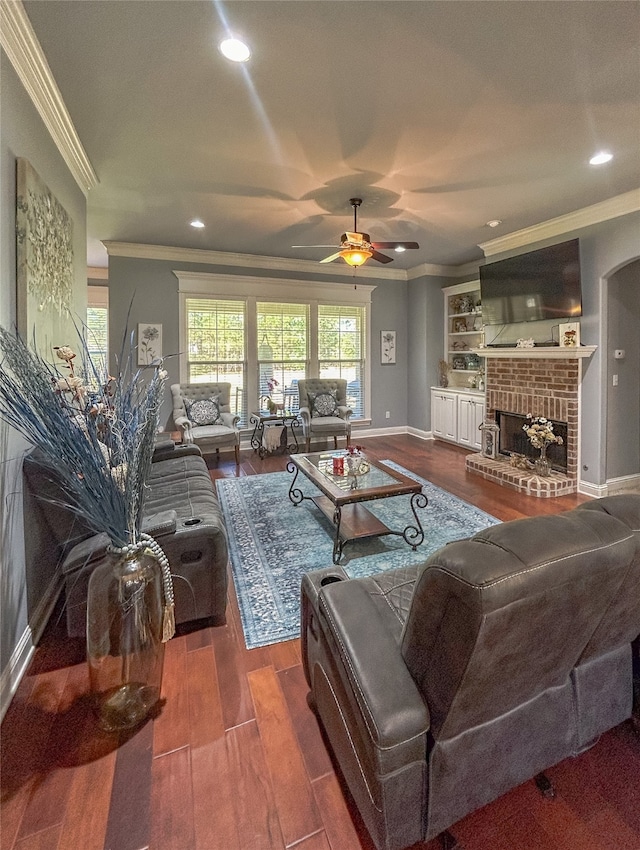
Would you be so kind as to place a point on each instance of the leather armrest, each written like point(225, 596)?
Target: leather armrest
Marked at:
point(164, 522)
point(380, 683)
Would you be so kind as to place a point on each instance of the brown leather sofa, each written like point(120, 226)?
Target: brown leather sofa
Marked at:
point(181, 511)
point(443, 686)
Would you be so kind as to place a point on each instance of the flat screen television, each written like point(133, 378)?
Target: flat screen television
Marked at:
point(543, 284)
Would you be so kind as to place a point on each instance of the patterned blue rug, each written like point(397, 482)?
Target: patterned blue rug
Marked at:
point(272, 544)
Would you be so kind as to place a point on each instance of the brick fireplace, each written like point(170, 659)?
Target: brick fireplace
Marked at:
point(531, 382)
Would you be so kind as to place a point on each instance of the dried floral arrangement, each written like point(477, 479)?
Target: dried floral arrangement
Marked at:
point(539, 430)
point(95, 434)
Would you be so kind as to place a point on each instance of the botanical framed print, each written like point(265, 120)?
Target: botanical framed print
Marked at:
point(387, 347)
point(569, 334)
point(149, 343)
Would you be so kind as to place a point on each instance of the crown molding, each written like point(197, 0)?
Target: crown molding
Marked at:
point(97, 273)
point(247, 261)
point(21, 45)
point(431, 270)
point(624, 204)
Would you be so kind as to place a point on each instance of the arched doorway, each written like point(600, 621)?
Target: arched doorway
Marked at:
point(623, 379)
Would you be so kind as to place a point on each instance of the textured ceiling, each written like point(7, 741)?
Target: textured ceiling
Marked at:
point(439, 115)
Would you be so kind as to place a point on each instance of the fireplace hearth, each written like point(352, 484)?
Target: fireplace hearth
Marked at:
point(514, 439)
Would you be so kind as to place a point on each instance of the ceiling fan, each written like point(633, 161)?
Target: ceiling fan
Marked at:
point(356, 248)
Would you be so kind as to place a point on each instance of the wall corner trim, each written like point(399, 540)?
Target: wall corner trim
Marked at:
point(21, 45)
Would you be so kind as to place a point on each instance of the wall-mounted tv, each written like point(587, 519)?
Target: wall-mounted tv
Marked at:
point(543, 284)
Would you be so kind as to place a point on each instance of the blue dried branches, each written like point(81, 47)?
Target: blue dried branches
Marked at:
point(98, 445)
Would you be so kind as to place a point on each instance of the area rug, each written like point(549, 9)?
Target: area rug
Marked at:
point(272, 544)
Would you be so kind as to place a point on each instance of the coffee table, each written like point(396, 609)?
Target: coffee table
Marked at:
point(343, 495)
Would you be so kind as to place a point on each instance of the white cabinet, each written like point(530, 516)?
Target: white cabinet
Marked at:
point(456, 416)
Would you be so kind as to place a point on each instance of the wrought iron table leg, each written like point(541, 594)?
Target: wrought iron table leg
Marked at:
point(414, 534)
point(295, 493)
point(338, 545)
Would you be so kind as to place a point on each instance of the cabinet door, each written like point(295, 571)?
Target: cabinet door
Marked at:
point(470, 416)
point(478, 419)
point(465, 421)
point(444, 415)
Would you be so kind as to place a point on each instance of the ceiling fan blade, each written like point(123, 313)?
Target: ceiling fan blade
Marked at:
point(331, 258)
point(381, 258)
point(392, 245)
point(313, 246)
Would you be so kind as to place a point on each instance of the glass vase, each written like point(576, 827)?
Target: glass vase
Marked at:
point(125, 651)
point(542, 465)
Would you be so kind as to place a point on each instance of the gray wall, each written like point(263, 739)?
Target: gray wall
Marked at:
point(426, 335)
point(22, 134)
point(623, 400)
point(154, 289)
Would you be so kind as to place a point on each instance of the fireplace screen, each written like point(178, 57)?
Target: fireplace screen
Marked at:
point(514, 439)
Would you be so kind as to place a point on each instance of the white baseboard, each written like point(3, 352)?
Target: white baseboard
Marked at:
point(596, 491)
point(421, 435)
point(15, 670)
point(12, 675)
point(625, 482)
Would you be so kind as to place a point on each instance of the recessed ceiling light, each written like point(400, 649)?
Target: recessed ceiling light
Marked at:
point(197, 223)
point(400, 249)
point(494, 222)
point(600, 158)
point(235, 50)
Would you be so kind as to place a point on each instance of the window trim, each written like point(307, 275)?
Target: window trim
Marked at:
point(253, 289)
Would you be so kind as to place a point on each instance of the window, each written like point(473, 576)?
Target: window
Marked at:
point(341, 350)
point(282, 350)
point(97, 335)
point(216, 346)
point(253, 331)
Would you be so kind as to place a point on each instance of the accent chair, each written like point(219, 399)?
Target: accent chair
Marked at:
point(324, 411)
point(203, 413)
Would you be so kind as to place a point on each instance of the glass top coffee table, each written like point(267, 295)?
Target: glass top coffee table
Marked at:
point(342, 496)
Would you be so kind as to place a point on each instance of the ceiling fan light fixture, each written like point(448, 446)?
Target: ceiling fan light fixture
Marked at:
point(234, 50)
point(400, 249)
point(355, 257)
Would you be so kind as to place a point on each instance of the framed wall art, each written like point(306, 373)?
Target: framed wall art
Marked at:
point(387, 347)
point(149, 343)
point(569, 334)
point(44, 258)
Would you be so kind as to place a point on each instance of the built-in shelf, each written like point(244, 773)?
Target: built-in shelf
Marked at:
point(552, 352)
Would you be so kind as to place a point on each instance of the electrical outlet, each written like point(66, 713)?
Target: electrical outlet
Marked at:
point(615, 380)
point(387, 415)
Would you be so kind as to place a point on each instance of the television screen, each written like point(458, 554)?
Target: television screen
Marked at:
point(543, 284)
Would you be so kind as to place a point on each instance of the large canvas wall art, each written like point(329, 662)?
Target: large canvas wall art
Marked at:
point(44, 254)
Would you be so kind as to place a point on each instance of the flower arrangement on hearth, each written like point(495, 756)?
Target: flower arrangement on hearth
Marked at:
point(539, 430)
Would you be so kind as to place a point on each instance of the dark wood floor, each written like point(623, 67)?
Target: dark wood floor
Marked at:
point(236, 761)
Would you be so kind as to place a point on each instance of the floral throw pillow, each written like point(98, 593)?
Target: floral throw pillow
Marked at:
point(204, 411)
point(324, 404)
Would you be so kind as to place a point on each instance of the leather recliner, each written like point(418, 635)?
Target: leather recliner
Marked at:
point(442, 686)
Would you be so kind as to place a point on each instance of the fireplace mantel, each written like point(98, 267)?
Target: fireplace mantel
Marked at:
point(552, 352)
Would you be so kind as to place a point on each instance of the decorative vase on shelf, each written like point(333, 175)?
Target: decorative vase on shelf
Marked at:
point(125, 648)
point(542, 466)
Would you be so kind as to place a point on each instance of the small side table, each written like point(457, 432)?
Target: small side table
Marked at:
point(262, 420)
